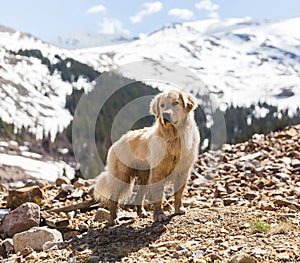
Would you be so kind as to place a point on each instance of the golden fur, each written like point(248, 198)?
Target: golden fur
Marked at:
point(154, 155)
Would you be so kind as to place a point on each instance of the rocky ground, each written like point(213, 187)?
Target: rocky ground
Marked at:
point(242, 206)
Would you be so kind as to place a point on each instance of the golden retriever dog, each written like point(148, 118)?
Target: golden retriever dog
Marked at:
point(163, 153)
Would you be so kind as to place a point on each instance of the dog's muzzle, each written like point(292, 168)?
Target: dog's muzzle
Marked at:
point(167, 117)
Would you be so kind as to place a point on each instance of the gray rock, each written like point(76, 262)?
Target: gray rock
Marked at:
point(36, 237)
point(20, 219)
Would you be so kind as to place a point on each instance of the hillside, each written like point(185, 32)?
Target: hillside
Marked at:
point(242, 206)
point(239, 61)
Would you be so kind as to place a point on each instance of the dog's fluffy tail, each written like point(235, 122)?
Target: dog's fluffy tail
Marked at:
point(108, 187)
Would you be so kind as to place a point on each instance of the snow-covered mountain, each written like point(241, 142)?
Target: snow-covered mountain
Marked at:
point(87, 39)
point(242, 60)
point(29, 95)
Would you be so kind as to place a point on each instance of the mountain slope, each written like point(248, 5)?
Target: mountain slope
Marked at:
point(241, 60)
point(32, 96)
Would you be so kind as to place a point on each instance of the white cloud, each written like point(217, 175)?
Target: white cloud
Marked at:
point(150, 8)
point(112, 27)
point(209, 7)
point(184, 14)
point(96, 9)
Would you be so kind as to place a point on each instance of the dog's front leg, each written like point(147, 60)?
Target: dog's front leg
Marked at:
point(156, 195)
point(179, 187)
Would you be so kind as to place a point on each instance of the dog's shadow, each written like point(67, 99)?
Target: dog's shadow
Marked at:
point(112, 244)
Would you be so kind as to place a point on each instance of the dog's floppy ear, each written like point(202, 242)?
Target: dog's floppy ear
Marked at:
point(189, 102)
point(154, 106)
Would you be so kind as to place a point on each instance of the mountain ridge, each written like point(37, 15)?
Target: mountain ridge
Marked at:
point(228, 55)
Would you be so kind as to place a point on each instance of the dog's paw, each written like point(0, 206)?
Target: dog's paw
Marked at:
point(180, 211)
point(159, 217)
point(142, 213)
point(114, 222)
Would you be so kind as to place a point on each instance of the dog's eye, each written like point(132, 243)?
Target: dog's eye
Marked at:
point(174, 103)
point(162, 105)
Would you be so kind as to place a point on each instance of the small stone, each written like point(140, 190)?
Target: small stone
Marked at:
point(297, 192)
point(57, 222)
point(36, 237)
point(26, 251)
point(283, 177)
point(92, 259)
point(283, 256)
point(80, 183)
point(22, 195)
point(295, 163)
point(8, 246)
point(259, 183)
point(77, 193)
point(258, 251)
point(220, 191)
point(71, 215)
point(180, 247)
point(159, 229)
point(2, 251)
point(242, 258)
point(251, 195)
point(161, 250)
point(279, 201)
point(214, 257)
point(3, 188)
point(67, 188)
point(83, 227)
point(21, 219)
point(62, 180)
point(224, 231)
point(229, 201)
point(265, 206)
point(218, 202)
point(102, 215)
point(69, 235)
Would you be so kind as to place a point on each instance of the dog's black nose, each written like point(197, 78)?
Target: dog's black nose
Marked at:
point(167, 116)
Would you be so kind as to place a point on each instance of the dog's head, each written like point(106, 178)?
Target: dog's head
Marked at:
point(172, 107)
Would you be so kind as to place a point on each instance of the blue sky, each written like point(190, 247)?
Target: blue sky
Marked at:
point(47, 19)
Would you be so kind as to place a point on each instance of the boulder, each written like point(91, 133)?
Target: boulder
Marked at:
point(20, 219)
point(35, 238)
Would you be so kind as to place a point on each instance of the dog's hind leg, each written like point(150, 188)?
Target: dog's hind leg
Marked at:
point(113, 208)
